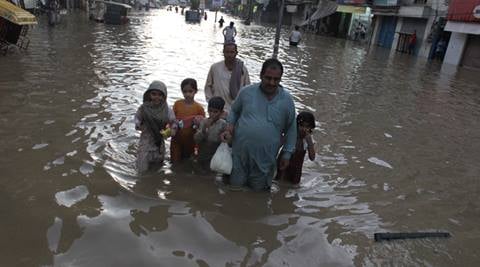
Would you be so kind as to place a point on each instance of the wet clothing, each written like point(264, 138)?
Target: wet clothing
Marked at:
point(259, 124)
point(293, 173)
point(208, 140)
point(183, 145)
point(150, 149)
point(218, 82)
point(229, 33)
point(295, 37)
point(236, 78)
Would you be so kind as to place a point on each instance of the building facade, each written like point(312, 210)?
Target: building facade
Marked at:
point(338, 18)
point(464, 25)
point(395, 22)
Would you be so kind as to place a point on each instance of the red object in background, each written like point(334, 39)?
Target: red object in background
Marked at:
point(462, 10)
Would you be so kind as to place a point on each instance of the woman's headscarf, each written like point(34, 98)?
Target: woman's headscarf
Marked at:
point(155, 116)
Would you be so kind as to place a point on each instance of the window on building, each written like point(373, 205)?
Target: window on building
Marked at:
point(420, 2)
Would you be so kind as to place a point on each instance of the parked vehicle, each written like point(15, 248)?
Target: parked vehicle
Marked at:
point(193, 16)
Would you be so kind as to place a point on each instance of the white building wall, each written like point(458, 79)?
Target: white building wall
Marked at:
point(439, 5)
point(411, 11)
point(298, 16)
point(376, 30)
point(455, 48)
point(424, 49)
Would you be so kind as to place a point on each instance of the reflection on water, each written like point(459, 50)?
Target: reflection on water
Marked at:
point(397, 145)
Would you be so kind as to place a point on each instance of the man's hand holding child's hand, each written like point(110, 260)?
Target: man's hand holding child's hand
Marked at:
point(226, 136)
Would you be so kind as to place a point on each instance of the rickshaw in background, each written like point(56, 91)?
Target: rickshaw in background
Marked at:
point(194, 14)
point(111, 12)
point(14, 23)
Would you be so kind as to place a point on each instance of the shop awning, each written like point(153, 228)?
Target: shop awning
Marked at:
point(324, 8)
point(16, 14)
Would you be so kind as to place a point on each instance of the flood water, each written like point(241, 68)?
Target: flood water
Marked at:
point(397, 142)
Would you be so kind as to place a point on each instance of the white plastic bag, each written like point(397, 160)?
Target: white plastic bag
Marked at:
point(222, 159)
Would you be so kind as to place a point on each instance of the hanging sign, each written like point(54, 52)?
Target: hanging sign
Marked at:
point(217, 3)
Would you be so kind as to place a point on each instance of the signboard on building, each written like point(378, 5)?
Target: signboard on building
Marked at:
point(217, 3)
point(351, 9)
point(464, 11)
point(476, 12)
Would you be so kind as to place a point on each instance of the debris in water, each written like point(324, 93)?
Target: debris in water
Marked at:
point(380, 162)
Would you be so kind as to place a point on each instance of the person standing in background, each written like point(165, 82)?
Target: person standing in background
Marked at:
point(225, 78)
point(412, 42)
point(229, 33)
point(295, 36)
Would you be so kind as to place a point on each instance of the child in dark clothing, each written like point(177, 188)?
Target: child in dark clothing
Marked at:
point(208, 134)
point(305, 125)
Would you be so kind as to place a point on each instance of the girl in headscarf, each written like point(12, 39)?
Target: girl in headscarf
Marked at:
point(152, 118)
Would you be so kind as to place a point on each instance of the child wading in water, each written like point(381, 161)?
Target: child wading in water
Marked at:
point(305, 125)
point(151, 118)
point(208, 134)
point(187, 112)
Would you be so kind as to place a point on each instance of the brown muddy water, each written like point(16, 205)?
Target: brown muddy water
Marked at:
point(397, 145)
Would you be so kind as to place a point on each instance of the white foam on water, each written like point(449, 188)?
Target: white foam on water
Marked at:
point(39, 146)
point(379, 162)
point(54, 233)
point(72, 196)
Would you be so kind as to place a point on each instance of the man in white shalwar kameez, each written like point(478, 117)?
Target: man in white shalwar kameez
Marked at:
point(227, 77)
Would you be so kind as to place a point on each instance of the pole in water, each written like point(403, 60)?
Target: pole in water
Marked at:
point(277, 31)
point(249, 13)
point(390, 236)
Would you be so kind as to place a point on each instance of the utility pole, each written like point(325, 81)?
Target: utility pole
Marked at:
point(277, 32)
point(249, 13)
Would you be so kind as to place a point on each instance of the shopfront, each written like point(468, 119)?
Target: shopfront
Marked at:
point(464, 24)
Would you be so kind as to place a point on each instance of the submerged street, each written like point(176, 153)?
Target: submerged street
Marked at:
point(397, 144)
